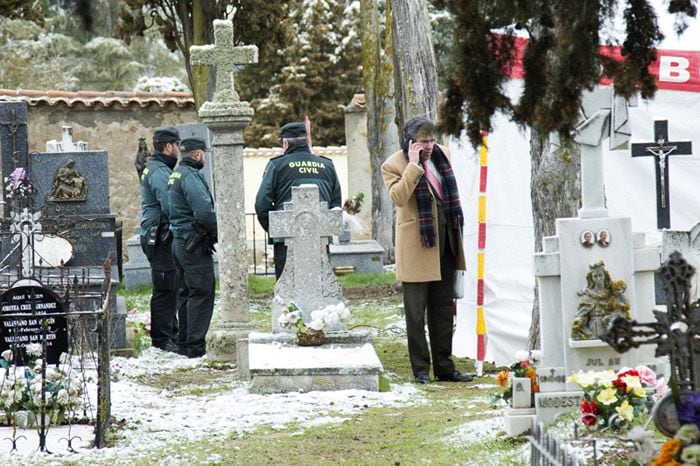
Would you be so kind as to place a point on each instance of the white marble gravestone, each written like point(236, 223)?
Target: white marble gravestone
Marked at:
point(308, 279)
point(562, 266)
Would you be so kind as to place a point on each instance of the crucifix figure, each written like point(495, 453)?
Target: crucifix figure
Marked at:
point(225, 56)
point(673, 333)
point(661, 149)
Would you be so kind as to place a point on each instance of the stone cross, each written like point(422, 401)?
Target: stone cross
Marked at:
point(66, 144)
point(225, 57)
point(604, 115)
point(674, 334)
point(661, 149)
point(305, 224)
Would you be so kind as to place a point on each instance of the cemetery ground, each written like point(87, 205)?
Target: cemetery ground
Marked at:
point(168, 409)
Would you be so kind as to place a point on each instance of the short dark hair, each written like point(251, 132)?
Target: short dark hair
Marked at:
point(296, 141)
point(159, 146)
point(415, 127)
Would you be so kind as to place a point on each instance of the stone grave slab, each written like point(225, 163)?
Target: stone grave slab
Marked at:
point(346, 361)
point(365, 256)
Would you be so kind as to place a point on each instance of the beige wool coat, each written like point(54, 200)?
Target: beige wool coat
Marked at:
point(414, 263)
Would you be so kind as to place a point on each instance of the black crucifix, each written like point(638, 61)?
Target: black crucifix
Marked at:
point(675, 334)
point(660, 149)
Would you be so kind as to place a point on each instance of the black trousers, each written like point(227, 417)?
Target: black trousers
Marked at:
point(195, 273)
point(164, 296)
point(280, 255)
point(433, 300)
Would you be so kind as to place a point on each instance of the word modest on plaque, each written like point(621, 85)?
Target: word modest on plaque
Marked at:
point(32, 314)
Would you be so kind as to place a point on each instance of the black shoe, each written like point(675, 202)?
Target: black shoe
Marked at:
point(455, 377)
point(170, 347)
point(196, 353)
point(423, 378)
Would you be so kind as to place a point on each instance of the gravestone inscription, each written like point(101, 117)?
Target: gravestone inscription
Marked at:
point(32, 314)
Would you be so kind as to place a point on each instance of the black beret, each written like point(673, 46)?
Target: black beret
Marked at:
point(191, 144)
point(166, 134)
point(295, 129)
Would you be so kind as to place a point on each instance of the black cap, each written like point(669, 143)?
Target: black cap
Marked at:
point(296, 129)
point(190, 144)
point(166, 134)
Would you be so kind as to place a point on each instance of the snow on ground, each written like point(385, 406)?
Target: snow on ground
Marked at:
point(156, 418)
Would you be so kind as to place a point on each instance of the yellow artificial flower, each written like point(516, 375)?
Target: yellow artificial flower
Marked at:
point(632, 382)
point(607, 396)
point(625, 410)
point(583, 379)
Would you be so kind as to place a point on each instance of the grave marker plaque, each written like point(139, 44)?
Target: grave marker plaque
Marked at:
point(30, 314)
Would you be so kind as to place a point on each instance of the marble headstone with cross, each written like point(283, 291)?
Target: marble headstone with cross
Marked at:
point(561, 268)
point(307, 279)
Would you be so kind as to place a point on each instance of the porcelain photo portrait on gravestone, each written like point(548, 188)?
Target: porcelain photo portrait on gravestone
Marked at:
point(587, 239)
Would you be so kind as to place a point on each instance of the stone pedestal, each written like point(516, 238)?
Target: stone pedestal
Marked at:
point(364, 256)
point(518, 421)
point(346, 361)
point(227, 145)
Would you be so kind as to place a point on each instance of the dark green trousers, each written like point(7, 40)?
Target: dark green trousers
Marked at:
point(195, 272)
point(163, 299)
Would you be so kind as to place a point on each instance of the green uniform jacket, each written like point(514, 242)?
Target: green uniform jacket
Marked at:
point(154, 191)
point(190, 201)
point(296, 167)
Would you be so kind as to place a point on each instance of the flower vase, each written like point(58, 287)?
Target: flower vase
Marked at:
point(311, 337)
point(344, 237)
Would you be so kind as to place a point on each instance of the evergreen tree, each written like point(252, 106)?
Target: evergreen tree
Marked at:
point(321, 73)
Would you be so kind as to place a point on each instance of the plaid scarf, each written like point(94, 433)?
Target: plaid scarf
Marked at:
point(451, 203)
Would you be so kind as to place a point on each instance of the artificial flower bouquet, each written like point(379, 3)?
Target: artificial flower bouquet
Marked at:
point(612, 400)
point(21, 387)
point(524, 367)
point(17, 184)
point(682, 449)
point(311, 333)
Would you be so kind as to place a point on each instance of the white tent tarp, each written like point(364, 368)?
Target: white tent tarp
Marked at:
point(629, 187)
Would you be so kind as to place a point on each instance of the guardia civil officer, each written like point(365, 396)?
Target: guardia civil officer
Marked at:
point(156, 239)
point(193, 223)
point(295, 167)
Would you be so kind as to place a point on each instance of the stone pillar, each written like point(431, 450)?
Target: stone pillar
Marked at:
point(227, 117)
point(359, 166)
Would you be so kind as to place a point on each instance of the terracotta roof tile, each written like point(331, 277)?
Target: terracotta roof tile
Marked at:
point(93, 98)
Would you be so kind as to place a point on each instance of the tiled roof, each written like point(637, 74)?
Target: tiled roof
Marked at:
point(103, 99)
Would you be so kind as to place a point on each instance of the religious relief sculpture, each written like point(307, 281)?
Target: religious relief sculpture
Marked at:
point(68, 184)
point(599, 304)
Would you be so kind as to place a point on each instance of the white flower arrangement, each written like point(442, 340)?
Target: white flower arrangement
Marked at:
point(293, 317)
point(21, 386)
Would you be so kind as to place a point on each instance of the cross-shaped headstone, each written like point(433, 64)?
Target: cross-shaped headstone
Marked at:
point(225, 56)
point(603, 116)
point(674, 334)
point(306, 224)
point(66, 144)
point(660, 149)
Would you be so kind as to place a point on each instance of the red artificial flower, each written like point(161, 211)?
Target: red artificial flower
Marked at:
point(589, 410)
point(525, 363)
point(620, 384)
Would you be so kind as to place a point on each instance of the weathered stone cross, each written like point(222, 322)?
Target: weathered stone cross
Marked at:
point(226, 57)
point(305, 224)
point(660, 149)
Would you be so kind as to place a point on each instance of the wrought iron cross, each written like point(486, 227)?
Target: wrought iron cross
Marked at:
point(661, 149)
point(674, 333)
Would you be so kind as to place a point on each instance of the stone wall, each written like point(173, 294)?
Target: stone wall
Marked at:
point(114, 122)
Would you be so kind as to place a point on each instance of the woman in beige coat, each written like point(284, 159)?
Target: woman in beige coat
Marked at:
point(428, 246)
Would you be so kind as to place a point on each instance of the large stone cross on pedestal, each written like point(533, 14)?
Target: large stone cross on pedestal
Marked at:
point(307, 279)
point(661, 149)
point(226, 57)
point(604, 115)
point(227, 117)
